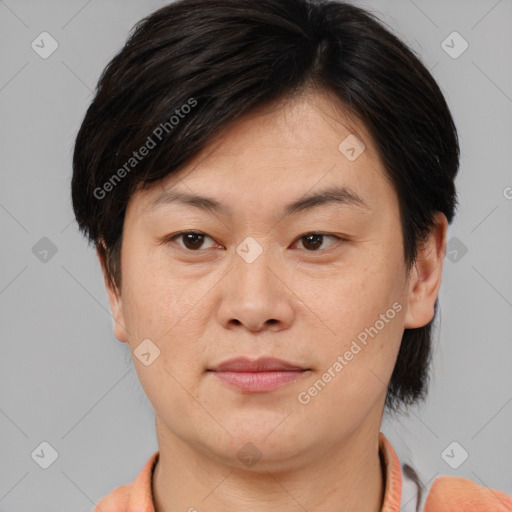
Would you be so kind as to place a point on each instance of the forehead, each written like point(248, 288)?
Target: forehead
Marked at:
point(278, 153)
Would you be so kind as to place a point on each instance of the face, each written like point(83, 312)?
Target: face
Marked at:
point(321, 286)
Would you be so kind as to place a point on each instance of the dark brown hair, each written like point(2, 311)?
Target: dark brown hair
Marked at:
point(195, 66)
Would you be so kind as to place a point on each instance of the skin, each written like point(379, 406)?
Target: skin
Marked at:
point(206, 304)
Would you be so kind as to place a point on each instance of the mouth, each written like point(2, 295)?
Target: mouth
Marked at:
point(257, 376)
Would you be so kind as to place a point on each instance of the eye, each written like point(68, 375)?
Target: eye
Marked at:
point(192, 240)
point(313, 241)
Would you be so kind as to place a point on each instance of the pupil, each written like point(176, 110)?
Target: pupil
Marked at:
point(317, 237)
point(187, 239)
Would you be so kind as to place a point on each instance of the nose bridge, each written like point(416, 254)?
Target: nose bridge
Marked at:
point(253, 262)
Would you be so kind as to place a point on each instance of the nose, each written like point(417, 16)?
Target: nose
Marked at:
point(255, 296)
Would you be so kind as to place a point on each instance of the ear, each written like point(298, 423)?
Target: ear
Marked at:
point(114, 297)
point(425, 278)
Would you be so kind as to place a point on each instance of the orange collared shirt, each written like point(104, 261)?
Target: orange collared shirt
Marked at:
point(445, 494)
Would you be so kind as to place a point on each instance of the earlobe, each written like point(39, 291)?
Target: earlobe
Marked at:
point(425, 278)
point(114, 298)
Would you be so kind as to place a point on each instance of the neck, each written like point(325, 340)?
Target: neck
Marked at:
point(345, 477)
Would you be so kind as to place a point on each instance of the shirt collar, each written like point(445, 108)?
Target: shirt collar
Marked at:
point(141, 499)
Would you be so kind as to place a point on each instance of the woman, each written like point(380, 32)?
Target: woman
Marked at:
point(268, 186)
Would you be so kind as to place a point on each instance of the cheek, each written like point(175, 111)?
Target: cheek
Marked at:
point(350, 297)
point(364, 311)
point(152, 296)
point(356, 369)
point(168, 309)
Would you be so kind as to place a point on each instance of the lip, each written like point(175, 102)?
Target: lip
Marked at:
point(263, 364)
point(257, 376)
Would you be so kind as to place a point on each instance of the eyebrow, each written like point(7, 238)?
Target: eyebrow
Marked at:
point(342, 195)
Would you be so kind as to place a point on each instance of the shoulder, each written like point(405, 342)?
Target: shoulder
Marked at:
point(114, 501)
point(457, 494)
point(132, 497)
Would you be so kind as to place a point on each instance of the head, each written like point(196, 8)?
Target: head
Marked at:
point(255, 107)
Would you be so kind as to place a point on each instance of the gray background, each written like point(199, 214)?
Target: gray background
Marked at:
point(66, 380)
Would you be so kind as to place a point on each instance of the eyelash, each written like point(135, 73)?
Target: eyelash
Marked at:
point(172, 238)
